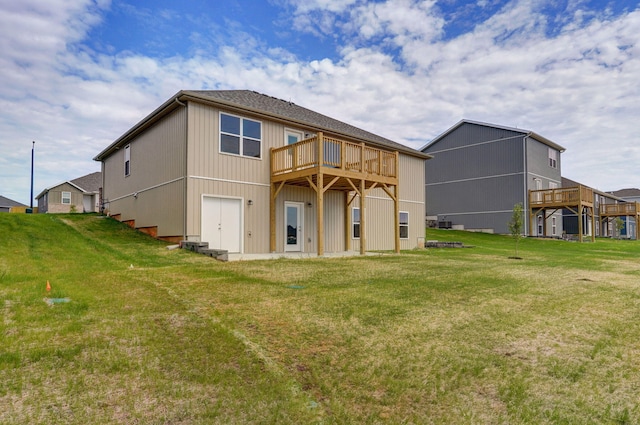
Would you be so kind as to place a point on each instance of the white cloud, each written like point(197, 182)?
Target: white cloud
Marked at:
point(578, 88)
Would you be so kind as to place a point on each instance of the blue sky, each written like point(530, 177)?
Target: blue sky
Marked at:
point(76, 74)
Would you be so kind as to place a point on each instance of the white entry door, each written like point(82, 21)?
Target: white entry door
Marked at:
point(221, 223)
point(293, 226)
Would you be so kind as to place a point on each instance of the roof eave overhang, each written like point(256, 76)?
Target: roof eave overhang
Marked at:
point(546, 141)
point(187, 96)
point(141, 126)
point(192, 96)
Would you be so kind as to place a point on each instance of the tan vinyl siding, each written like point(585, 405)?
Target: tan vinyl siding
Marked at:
point(205, 160)
point(256, 216)
point(213, 173)
point(156, 175)
point(379, 225)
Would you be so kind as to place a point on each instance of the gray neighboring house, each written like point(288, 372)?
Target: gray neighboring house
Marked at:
point(77, 195)
point(479, 171)
point(629, 195)
point(6, 204)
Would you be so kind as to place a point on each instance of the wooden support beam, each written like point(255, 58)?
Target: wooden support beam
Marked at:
point(327, 187)
point(396, 211)
point(272, 216)
point(593, 224)
point(580, 223)
point(363, 228)
point(356, 189)
point(320, 196)
point(311, 184)
point(347, 221)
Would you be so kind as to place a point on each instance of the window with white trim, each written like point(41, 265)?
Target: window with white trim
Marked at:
point(240, 136)
point(66, 198)
point(404, 225)
point(553, 158)
point(127, 160)
point(355, 223)
point(553, 226)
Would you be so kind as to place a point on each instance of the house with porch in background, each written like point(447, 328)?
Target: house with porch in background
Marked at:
point(78, 195)
point(249, 173)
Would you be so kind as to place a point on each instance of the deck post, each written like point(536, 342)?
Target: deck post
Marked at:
point(347, 223)
point(396, 211)
point(363, 232)
point(320, 196)
point(272, 218)
point(593, 224)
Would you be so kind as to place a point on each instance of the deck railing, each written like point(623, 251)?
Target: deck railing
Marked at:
point(561, 196)
point(626, 208)
point(336, 153)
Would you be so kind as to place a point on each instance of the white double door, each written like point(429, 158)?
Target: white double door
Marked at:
point(222, 223)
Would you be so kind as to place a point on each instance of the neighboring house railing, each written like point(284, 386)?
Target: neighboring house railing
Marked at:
point(627, 208)
point(561, 196)
point(334, 153)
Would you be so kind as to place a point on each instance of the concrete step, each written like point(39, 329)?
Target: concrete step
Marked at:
point(218, 254)
point(194, 246)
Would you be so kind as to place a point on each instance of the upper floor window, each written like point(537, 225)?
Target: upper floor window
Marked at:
point(127, 160)
point(553, 158)
point(66, 197)
point(240, 136)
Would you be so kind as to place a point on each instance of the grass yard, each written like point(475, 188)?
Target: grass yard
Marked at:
point(438, 336)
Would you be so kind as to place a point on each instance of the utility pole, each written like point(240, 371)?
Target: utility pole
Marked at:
point(33, 146)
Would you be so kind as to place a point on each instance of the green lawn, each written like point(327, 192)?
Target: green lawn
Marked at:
point(442, 336)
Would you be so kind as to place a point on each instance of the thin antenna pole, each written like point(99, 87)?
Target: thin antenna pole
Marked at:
point(33, 146)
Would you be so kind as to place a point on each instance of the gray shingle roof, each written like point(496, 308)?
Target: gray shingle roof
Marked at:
point(89, 183)
point(289, 111)
point(626, 193)
point(6, 202)
point(264, 105)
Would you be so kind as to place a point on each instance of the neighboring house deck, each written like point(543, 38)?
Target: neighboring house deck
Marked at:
point(546, 202)
point(587, 211)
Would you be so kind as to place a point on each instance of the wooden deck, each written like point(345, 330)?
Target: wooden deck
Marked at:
point(338, 158)
point(324, 163)
point(561, 197)
point(577, 199)
point(617, 210)
point(625, 209)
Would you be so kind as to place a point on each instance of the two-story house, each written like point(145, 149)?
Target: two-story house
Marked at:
point(250, 173)
point(479, 171)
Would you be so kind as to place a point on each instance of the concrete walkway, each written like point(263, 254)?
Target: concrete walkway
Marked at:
point(293, 255)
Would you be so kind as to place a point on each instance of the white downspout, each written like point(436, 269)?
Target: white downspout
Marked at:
point(525, 187)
